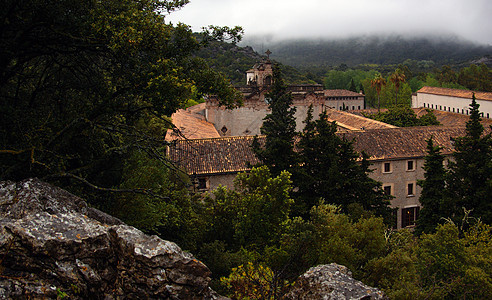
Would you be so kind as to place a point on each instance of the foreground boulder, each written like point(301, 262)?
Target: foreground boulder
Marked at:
point(331, 282)
point(53, 245)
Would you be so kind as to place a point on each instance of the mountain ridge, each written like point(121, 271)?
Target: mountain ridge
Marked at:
point(371, 49)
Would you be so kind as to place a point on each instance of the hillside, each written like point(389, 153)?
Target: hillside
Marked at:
point(233, 61)
point(372, 50)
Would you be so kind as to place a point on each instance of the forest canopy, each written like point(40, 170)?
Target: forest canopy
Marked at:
point(84, 84)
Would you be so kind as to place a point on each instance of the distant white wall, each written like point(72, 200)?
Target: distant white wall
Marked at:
point(450, 104)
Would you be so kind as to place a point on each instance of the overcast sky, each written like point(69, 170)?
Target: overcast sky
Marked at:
point(280, 19)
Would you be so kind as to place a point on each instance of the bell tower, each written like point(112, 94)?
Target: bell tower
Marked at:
point(262, 73)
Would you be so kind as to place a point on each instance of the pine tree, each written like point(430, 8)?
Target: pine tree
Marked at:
point(279, 127)
point(433, 186)
point(471, 171)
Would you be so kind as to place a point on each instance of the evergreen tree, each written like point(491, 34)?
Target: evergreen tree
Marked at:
point(331, 171)
point(433, 186)
point(471, 170)
point(352, 86)
point(280, 129)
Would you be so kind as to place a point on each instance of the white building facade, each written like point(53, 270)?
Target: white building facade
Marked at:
point(452, 100)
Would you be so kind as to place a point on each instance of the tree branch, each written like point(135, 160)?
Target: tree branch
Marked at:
point(147, 192)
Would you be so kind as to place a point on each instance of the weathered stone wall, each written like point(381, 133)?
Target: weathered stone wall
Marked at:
point(223, 180)
point(247, 120)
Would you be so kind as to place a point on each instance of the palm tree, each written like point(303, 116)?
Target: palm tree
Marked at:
point(378, 82)
point(397, 78)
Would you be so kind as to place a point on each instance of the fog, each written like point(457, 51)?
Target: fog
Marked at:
point(285, 19)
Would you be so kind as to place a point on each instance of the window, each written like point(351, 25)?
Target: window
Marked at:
point(358, 107)
point(388, 189)
point(223, 130)
point(202, 183)
point(453, 109)
point(410, 165)
point(488, 116)
point(387, 167)
point(409, 216)
point(410, 189)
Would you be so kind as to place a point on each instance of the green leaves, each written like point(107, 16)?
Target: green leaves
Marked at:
point(79, 88)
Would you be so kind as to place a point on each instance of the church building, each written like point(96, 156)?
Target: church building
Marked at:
point(247, 119)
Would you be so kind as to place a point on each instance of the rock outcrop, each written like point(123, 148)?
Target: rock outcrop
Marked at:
point(331, 282)
point(53, 245)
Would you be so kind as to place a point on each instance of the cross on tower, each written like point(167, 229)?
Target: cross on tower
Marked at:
point(268, 52)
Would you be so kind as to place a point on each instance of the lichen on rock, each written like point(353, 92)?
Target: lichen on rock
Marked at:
point(52, 243)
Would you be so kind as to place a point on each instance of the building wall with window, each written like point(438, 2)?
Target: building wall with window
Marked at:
point(452, 100)
point(399, 178)
point(344, 100)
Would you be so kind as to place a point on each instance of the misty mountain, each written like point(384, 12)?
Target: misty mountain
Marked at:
point(371, 50)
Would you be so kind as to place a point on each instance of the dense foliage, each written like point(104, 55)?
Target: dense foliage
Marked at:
point(85, 85)
point(404, 116)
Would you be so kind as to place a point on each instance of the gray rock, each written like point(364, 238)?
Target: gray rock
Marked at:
point(331, 281)
point(52, 244)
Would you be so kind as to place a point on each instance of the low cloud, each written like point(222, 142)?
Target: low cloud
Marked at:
point(468, 19)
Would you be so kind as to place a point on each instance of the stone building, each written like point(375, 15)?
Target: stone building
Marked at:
point(396, 154)
point(344, 100)
point(452, 100)
point(247, 120)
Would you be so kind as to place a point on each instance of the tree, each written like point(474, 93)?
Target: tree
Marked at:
point(351, 86)
point(447, 264)
point(404, 116)
point(397, 78)
point(85, 84)
point(331, 170)
point(378, 82)
point(471, 171)
point(279, 127)
point(432, 197)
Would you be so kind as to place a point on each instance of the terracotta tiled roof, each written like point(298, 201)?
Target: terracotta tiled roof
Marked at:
point(354, 122)
point(341, 93)
point(234, 154)
point(191, 124)
point(455, 93)
point(449, 118)
point(405, 142)
point(213, 156)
